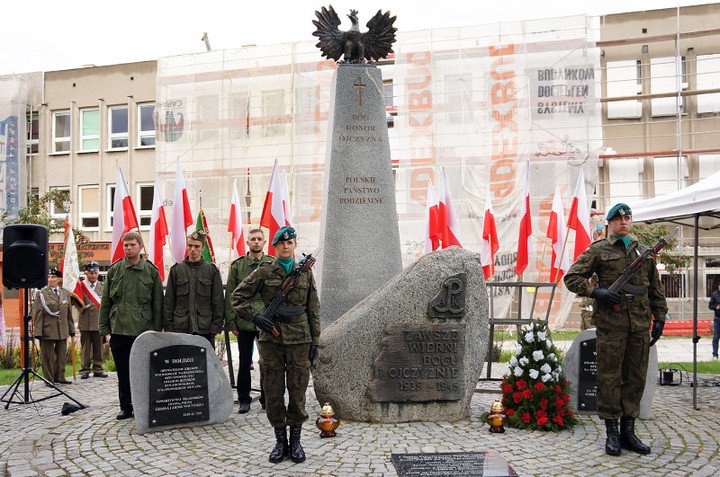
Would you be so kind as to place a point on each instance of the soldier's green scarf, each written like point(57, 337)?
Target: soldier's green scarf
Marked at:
point(287, 263)
point(625, 240)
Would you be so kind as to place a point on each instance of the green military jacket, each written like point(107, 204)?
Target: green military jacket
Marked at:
point(193, 298)
point(46, 325)
point(239, 269)
point(608, 258)
point(265, 281)
point(88, 320)
point(132, 299)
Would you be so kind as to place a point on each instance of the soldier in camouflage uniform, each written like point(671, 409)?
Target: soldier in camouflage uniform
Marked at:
point(622, 321)
point(289, 354)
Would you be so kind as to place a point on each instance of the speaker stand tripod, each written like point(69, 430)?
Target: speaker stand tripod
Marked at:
point(24, 377)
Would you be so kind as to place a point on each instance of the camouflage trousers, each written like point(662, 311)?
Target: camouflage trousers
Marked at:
point(281, 366)
point(622, 360)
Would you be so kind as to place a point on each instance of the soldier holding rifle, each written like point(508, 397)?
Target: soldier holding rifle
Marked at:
point(627, 295)
point(289, 337)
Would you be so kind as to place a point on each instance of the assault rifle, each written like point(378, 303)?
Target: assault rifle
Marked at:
point(287, 285)
point(622, 285)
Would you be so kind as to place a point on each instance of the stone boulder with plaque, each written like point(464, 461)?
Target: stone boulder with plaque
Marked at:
point(581, 372)
point(177, 380)
point(413, 350)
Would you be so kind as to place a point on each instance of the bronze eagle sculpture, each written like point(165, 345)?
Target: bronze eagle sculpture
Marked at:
point(356, 47)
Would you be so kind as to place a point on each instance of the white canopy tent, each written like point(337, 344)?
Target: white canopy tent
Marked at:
point(685, 207)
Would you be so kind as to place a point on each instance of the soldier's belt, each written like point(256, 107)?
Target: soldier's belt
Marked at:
point(290, 314)
point(629, 289)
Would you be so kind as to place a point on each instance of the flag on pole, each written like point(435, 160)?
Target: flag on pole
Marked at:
point(450, 227)
point(181, 218)
point(273, 216)
point(556, 232)
point(490, 242)
point(579, 218)
point(158, 232)
point(65, 234)
point(432, 232)
point(208, 252)
point(124, 217)
point(286, 200)
point(71, 268)
point(235, 225)
point(525, 236)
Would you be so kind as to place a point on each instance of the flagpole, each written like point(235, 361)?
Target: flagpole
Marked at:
point(562, 254)
point(542, 259)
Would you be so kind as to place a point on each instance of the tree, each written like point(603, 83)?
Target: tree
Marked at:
point(673, 260)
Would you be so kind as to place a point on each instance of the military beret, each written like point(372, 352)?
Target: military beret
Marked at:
point(618, 209)
point(55, 272)
point(92, 267)
point(199, 235)
point(284, 233)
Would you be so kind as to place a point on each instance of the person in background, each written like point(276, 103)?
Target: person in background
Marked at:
point(715, 306)
point(90, 340)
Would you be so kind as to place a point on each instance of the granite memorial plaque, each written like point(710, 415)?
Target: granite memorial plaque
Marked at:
point(178, 385)
point(419, 363)
point(587, 376)
point(453, 464)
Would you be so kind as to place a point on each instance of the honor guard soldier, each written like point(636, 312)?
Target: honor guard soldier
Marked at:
point(52, 326)
point(90, 340)
point(622, 321)
point(288, 343)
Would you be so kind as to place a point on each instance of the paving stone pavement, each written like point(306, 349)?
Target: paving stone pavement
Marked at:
point(35, 439)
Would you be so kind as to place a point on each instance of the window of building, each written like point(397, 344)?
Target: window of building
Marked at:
point(458, 98)
point(33, 133)
point(61, 131)
point(208, 116)
point(89, 129)
point(667, 177)
point(118, 127)
point(238, 115)
point(146, 125)
point(305, 110)
point(675, 286)
point(666, 76)
point(273, 110)
point(59, 213)
point(390, 109)
point(89, 207)
point(623, 79)
point(708, 77)
point(625, 184)
point(712, 275)
point(708, 164)
point(145, 194)
point(110, 206)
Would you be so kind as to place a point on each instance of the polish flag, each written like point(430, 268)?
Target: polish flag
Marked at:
point(579, 218)
point(449, 225)
point(286, 199)
point(432, 232)
point(158, 232)
point(556, 232)
point(71, 268)
point(273, 215)
point(490, 243)
point(525, 236)
point(90, 293)
point(124, 217)
point(237, 237)
point(181, 218)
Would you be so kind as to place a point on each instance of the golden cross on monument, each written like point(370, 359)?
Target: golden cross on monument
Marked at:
point(359, 85)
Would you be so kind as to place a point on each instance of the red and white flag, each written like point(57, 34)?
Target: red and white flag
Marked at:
point(490, 243)
point(181, 218)
point(158, 232)
point(124, 217)
point(91, 293)
point(237, 238)
point(71, 267)
point(556, 232)
point(432, 231)
point(449, 225)
point(273, 215)
point(286, 199)
point(525, 237)
point(579, 218)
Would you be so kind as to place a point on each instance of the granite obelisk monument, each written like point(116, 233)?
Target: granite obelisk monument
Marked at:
point(361, 239)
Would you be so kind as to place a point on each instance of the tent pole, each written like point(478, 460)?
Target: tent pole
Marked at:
point(695, 311)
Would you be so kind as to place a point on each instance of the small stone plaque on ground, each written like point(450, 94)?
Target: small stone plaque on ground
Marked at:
point(419, 363)
point(178, 385)
point(587, 377)
point(452, 464)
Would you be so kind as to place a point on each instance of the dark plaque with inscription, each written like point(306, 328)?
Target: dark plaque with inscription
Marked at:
point(453, 464)
point(178, 385)
point(587, 378)
point(420, 363)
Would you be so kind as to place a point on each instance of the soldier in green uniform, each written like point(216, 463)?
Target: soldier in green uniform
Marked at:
point(194, 295)
point(286, 357)
point(622, 321)
point(91, 353)
point(245, 331)
point(132, 303)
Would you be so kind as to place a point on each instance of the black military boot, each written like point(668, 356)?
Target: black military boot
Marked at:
point(612, 443)
point(628, 439)
point(297, 454)
point(281, 449)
